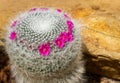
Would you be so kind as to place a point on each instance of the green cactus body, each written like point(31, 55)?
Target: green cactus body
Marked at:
point(44, 46)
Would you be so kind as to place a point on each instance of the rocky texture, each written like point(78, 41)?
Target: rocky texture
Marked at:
point(101, 36)
point(101, 39)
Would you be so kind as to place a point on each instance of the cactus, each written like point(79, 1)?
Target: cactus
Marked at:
point(44, 46)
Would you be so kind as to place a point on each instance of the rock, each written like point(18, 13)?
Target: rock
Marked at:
point(81, 12)
point(101, 38)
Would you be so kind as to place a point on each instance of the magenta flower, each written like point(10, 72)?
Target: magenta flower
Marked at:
point(63, 36)
point(59, 10)
point(59, 42)
point(12, 35)
point(66, 16)
point(70, 25)
point(14, 24)
point(70, 37)
point(44, 49)
point(33, 9)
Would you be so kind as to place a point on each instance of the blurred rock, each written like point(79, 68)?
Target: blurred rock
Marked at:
point(101, 37)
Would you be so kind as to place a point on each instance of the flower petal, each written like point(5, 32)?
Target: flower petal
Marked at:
point(63, 36)
point(14, 24)
point(70, 25)
point(66, 16)
point(59, 43)
point(70, 36)
point(59, 10)
point(33, 9)
point(44, 49)
point(12, 35)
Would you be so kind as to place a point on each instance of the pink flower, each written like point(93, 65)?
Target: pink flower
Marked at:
point(59, 10)
point(33, 9)
point(14, 24)
point(70, 37)
point(59, 42)
point(43, 9)
point(70, 25)
point(66, 16)
point(12, 35)
point(44, 49)
point(63, 36)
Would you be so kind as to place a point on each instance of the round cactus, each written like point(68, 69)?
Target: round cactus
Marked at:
point(44, 46)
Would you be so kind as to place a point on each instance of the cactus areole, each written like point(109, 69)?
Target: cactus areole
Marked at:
point(43, 42)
